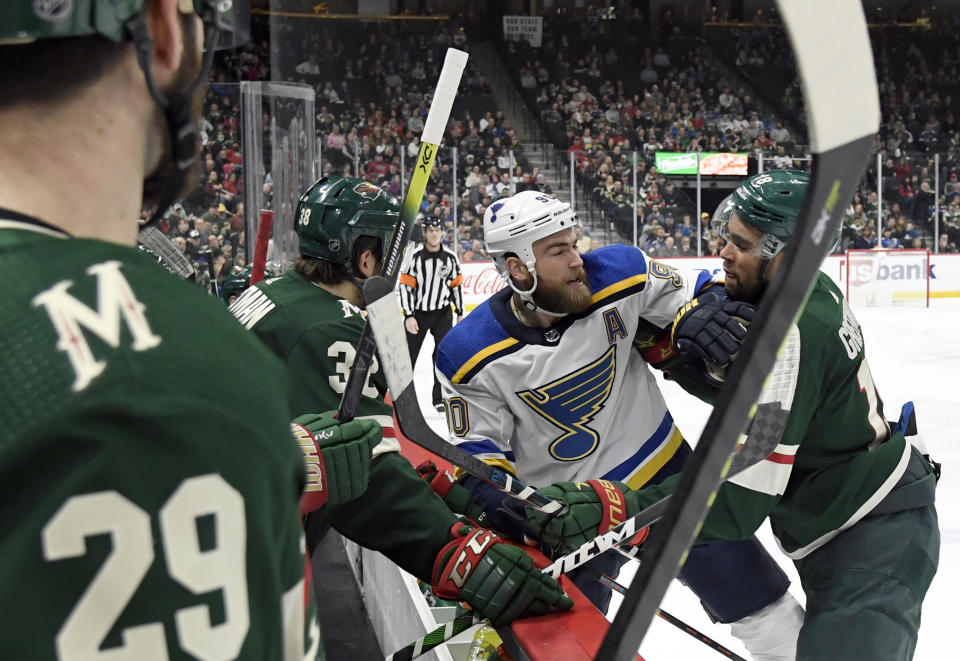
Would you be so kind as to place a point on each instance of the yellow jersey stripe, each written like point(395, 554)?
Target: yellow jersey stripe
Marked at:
point(481, 355)
point(496, 463)
point(657, 461)
point(610, 290)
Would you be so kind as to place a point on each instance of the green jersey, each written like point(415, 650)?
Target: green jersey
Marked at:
point(150, 480)
point(315, 334)
point(837, 458)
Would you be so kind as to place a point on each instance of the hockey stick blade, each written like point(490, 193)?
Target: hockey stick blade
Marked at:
point(843, 113)
point(386, 320)
point(161, 245)
point(433, 128)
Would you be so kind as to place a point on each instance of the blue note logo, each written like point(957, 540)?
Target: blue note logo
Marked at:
point(571, 403)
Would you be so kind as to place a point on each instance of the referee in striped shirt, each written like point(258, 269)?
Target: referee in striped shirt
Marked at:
point(429, 284)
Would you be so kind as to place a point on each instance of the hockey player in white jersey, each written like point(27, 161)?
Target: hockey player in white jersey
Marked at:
point(546, 380)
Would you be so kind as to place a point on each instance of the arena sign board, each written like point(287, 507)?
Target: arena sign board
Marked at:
point(523, 28)
point(711, 163)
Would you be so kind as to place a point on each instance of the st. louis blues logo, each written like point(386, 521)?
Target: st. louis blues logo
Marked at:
point(571, 402)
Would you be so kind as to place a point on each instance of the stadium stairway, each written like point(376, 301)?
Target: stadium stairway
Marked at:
point(537, 148)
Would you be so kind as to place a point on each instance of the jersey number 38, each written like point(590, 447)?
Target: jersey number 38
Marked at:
point(197, 569)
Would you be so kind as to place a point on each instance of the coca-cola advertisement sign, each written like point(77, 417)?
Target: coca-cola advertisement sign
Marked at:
point(480, 281)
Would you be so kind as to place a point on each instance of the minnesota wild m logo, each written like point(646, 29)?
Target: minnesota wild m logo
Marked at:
point(571, 402)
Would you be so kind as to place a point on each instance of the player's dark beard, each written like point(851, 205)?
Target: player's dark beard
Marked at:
point(558, 297)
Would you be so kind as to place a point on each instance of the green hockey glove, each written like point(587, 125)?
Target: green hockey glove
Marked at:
point(337, 458)
point(498, 580)
point(457, 497)
point(592, 509)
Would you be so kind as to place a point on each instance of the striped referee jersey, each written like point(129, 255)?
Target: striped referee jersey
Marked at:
point(431, 282)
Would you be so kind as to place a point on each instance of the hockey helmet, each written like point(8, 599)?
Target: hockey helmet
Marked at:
point(235, 283)
point(771, 202)
point(337, 210)
point(514, 224)
point(23, 21)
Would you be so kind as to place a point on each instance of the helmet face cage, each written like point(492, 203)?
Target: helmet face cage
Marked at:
point(770, 244)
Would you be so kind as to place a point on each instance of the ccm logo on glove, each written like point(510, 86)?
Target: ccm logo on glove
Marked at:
point(312, 461)
point(469, 556)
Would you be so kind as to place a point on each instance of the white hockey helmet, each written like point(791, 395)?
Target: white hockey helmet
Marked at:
point(512, 225)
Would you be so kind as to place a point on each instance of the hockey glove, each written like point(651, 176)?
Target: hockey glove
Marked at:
point(592, 509)
point(498, 580)
point(337, 458)
point(708, 333)
point(457, 497)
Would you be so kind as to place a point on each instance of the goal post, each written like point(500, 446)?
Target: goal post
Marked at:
point(885, 278)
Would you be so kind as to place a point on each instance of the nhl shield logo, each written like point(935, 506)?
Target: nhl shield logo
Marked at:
point(333, 245)
point(368, 191)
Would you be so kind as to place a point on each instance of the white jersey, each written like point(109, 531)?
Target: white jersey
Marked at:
point(577, 400)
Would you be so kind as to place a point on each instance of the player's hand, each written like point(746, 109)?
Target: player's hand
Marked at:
point(410, 323)
point(337, 458)
point(592, 509)
point(498, 580)
point(457, 497)
point(708, 333)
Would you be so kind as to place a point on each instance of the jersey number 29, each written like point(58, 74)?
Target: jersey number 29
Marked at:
point(199, 570)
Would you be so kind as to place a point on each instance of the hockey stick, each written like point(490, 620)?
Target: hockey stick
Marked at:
point(436, 638)
point(843, 113)
point(385, 319)
point(430, 140)
point(616, 586)
point(259, 265)
point(160, 244)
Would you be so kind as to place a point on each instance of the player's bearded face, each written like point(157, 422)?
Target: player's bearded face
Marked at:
point(562, 284)
point(744, 277)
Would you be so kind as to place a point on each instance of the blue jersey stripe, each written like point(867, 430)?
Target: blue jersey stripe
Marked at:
point(627, 467)
point(486, 447)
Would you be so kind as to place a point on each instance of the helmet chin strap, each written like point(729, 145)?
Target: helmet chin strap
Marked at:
point(526, 295)
point(166, 183)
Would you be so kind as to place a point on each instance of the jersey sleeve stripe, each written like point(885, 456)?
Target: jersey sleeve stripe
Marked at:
point(653, 454)
point(408, 280)
point(486, 450)
point(456, 281)
point(475, 361)
point(637, 280)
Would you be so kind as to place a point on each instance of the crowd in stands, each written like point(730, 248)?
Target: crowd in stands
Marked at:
point(595, 99)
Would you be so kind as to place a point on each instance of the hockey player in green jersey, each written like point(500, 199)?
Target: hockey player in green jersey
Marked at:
point(849, 498)
point(312, 318)
point(149, 512)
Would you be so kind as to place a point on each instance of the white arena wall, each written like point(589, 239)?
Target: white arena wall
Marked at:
point(480, 279)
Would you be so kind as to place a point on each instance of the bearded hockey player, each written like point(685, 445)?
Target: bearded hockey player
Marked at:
point(848, 496)
point(312, 318)
point(146, 514)
point(544, 380)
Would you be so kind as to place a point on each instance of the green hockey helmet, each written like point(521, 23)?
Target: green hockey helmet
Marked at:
point(771, 202)
point(336, 211)
point(23, 21)
point(235, 283)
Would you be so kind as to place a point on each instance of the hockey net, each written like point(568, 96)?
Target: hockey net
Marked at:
point(885, 278)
